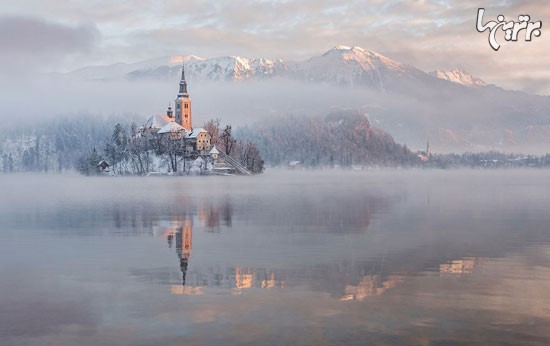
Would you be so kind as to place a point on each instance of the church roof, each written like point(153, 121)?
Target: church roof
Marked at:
point(171, 127)
point(194, 132)
point(157, 121)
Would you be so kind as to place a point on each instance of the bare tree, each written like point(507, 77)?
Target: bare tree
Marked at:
point(212, 126)
point(227, 141)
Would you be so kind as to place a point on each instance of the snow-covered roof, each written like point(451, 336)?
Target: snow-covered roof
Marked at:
point(171, 127)
point(194, 132)
point(157, 121)
point(214, 150)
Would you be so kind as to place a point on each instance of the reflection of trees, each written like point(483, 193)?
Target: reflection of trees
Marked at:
point(334, 213)
point(144, 217)
point(210, 214)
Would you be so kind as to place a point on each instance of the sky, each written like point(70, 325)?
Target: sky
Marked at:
point(63, 35)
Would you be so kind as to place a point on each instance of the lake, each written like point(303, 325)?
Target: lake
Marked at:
point(382, 257)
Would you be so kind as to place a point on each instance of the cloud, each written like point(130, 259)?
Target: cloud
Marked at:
point(30, 43)
point(429, 34)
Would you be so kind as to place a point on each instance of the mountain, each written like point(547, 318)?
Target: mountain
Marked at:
point(452, 109)
point(351, 66)
point(342, 65)
point(123, 70)
point(459, 76)
point(227, 68)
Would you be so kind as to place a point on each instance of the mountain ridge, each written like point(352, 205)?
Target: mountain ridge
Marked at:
point(459, 76)
point(341, 65)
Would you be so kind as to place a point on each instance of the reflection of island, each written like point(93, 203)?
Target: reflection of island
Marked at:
point(343, 279)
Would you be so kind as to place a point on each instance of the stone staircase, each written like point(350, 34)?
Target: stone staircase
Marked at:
point(234, 163)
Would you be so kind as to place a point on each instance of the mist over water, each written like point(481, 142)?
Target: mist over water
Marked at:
point(287, 257)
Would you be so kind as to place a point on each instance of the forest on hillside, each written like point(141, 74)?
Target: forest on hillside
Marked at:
point(342, 138)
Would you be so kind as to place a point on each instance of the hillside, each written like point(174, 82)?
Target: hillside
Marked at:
point(340, 138)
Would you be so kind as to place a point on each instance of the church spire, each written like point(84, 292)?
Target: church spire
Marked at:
point(183, 104)
point(183, 84)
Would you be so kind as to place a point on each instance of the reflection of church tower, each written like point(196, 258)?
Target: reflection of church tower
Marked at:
point(183, 104)
point(184, 244)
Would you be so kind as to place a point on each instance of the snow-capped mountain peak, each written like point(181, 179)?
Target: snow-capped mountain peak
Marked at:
point(368, 59)
point(353, 65)
point(459, 76)
point(235, 68)
point(178, 59)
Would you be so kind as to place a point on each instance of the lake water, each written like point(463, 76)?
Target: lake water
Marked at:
point(286, 258)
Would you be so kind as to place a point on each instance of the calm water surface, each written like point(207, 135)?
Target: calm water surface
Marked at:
point(286, 258)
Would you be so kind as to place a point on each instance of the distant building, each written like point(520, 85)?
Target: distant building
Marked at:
point(103, 166)
point(425, 155)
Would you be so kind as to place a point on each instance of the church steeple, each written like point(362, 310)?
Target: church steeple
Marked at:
point(183, 104)
point(183, 83)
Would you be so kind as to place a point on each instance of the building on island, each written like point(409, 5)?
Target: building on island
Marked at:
point(183, 147)
point(178, 123)
point(199, 139)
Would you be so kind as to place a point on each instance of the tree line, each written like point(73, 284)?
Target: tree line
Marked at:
point(343, 138)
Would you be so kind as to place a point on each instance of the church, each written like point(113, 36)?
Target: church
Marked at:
point(184, 143)
point(178, 124)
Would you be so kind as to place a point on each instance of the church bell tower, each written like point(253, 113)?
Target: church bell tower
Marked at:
point(183, 104)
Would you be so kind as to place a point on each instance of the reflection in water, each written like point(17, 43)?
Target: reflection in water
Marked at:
point(371, 285)
point(215, 216)
point(461, 266)
point(182, 232)
point(344, 281)
point(210, 215)
point(372, 258)
point(184, 240)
